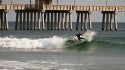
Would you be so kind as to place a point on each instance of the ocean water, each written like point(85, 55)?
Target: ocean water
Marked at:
point(57, 50)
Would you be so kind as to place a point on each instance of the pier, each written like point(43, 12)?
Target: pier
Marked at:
point(46, 16)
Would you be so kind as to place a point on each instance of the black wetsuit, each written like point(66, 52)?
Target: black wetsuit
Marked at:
point(78, 36)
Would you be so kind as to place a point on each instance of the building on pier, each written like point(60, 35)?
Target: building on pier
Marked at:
point(40, 3)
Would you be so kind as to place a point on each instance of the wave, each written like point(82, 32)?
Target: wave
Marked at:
point(93, 45)
point(45, 43)
point(56, 42)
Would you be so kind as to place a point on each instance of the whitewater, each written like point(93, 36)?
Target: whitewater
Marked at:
point(43, 43)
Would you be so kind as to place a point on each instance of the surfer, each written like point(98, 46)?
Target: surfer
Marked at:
point(78, 36)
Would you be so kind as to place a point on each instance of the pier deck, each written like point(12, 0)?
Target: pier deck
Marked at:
point(62, 7)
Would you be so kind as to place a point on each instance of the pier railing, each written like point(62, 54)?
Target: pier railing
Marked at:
point(12, 6)
point(83, 8)
point(105, 8)
point(62, 7)
point(57, 7)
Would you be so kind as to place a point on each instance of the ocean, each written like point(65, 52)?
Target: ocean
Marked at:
point(56, 50)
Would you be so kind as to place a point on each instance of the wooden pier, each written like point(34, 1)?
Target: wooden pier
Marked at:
point(57, 17)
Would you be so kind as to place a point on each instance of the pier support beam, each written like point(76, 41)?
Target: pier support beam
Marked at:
point(4, 20)
point(52, 14)
point(43, 20)
point(109, 20)
point(60, 19)
point(17, 20)
point(66, 21)
point(39, 20)
point(48, 21)
point(28, 22)
point(6, 26)
point(77, 21)
point(55, 21)
point(35, 19)
point(85, 20)
point(20, 21)
point(29, 19)
point(70, 20)
point(24, 20)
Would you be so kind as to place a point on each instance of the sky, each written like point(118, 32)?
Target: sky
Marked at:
point(98, 15)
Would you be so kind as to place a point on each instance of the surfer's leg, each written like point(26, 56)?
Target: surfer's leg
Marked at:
point(83, 38)
point(79, 39)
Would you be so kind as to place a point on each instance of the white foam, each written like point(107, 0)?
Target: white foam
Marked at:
point(17, 65)
point(89, 35)
point(46, 43)
point(38, 65)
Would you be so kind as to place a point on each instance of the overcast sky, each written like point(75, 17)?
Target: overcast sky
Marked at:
point(98, 15)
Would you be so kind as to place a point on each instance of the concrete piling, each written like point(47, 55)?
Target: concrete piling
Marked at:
point(57, 19)
point(52, 16)
point(6, 21)
point(43, 20)
point(17, 22)
point(82, 21)
point(38, 20)
point(31, 21)
point(62, 25)
point(85, 20)
point(70, 20)
point(2, 23)
point(28, 22)
point(48, 21)
point(23, 20)
point(20, 21)
point(89, 20)
point(115, 22)
point(66, 21)
point(77, 22)
point(3, 20)
point(109, 20)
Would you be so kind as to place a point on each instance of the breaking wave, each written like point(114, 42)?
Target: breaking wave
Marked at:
point(89, 35)
point(42, 43)
point(45, 43)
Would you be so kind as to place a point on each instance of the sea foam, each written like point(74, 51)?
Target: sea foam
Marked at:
point(89, 35)
point(46, 43)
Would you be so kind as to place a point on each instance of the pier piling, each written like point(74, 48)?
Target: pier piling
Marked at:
point(107, 21)
point(3, 20)
point(85, 20)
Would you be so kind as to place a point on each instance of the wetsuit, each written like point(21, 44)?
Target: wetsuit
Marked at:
point(78, 36)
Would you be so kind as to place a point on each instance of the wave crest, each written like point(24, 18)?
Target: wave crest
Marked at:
point(46, 43)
